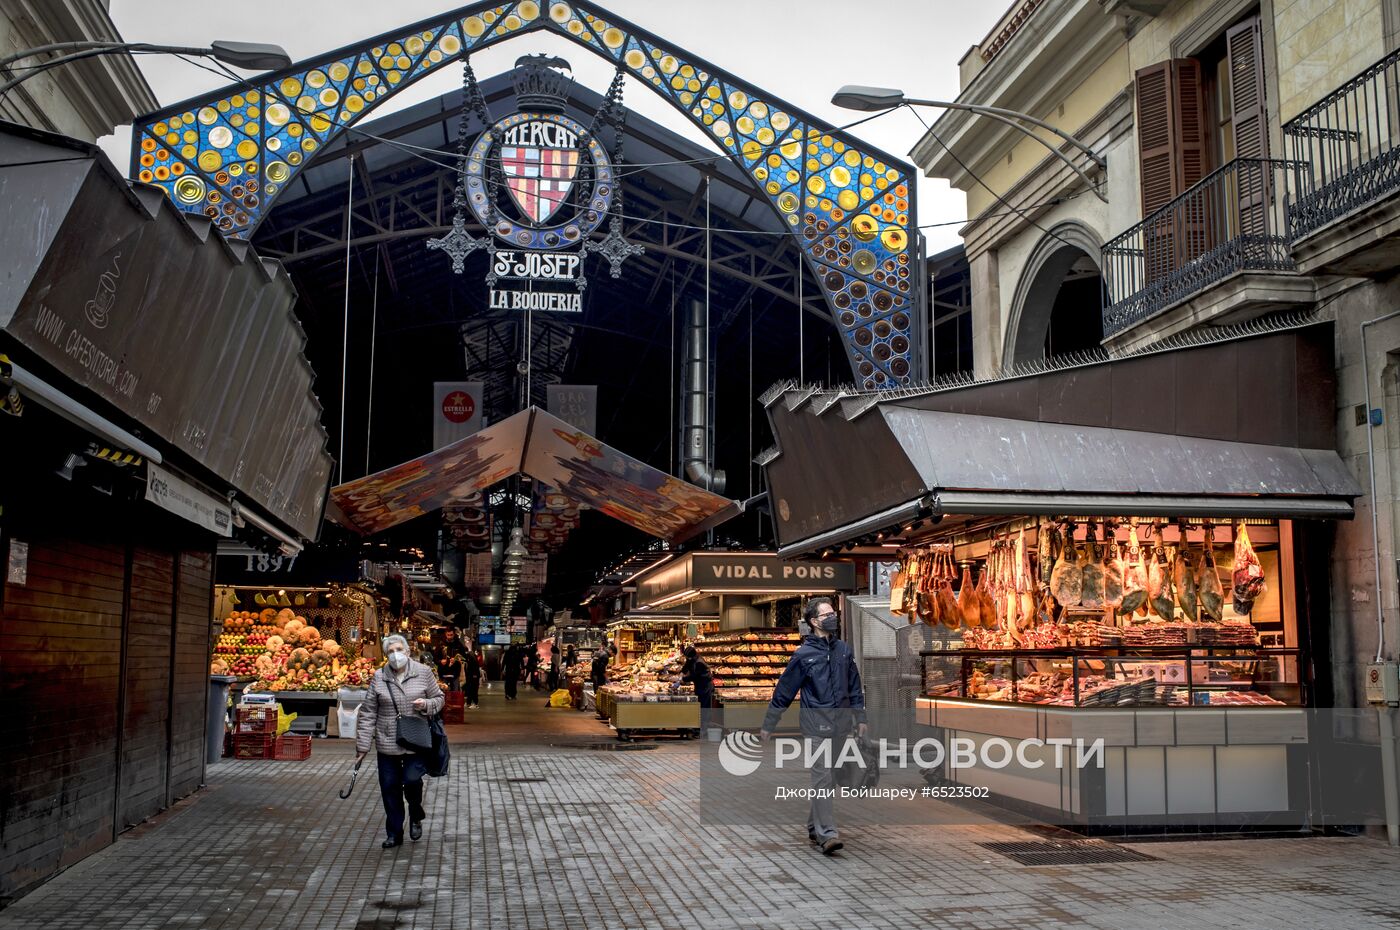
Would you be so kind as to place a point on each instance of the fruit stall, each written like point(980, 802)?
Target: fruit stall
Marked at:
point(304, 653)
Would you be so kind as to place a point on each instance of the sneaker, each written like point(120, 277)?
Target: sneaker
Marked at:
point(830, 847)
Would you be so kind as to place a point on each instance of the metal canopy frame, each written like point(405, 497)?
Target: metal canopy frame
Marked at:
point(849, 207)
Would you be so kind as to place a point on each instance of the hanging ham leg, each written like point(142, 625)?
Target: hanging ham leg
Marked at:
point(1025, 582)
point(1067, 578)
point(1210, 593)
point(988, 607)
point(1092, 596)
point(1045, 553)
point(969, 604)
point(1112, 570)
point(1159, 582)
point(1248, 576)
point(1134, 582)
point(1184, 575)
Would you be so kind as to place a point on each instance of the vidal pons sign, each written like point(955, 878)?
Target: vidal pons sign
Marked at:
point(543, 184)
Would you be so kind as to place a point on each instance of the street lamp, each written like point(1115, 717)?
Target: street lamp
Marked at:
point(874, 99)
point(250, 56)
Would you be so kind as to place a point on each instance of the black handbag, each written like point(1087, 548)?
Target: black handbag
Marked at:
point(436, 759)
point(414, 732)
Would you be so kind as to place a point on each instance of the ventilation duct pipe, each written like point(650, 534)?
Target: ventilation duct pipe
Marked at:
point(696, 461)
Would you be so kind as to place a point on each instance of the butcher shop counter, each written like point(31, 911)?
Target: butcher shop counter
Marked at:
point(1152, 738)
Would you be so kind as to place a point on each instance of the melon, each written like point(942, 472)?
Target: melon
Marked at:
point(321, 657)
point(274, 643)
point(299, 660)
point(331, 646)
point(268, 616)
point(286, 614)
point(309, 634)
point(218, 667)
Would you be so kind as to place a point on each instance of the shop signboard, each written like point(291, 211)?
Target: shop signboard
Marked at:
point(182, 498)
point(17, 570)
point(575, 404)
point(744, 572)
point(456, 411)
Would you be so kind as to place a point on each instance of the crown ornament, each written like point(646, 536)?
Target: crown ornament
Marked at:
point(540, 85)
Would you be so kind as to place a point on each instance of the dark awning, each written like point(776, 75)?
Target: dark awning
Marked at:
point(552, 452)
point(853, 465)
point(149, 312)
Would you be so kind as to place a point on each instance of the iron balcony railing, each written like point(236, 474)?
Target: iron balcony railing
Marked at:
point(1233, 220)
point(1351, 142)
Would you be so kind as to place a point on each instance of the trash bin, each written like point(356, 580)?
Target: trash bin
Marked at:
point(218, 714)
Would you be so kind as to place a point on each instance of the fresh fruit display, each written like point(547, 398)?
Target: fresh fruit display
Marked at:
point(285, 652)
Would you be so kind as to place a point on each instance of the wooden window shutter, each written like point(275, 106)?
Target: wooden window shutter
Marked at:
point(1245, 46)
point(1192, 152)
point(1155, 136)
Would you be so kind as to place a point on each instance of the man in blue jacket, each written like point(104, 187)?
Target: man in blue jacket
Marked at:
point(823, 670)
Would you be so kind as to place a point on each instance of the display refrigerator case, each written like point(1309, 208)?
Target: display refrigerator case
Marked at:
point(1201, 737)
point(1137, 676)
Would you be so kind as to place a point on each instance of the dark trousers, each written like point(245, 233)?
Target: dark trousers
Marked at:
point(473, 687)
point(512, 682)
point(401, 777)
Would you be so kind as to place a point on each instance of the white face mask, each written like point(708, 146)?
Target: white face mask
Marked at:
point(398, 660)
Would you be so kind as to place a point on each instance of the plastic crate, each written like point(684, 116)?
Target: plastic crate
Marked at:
point(254, 745)
point(292, 748)
point(256, 720)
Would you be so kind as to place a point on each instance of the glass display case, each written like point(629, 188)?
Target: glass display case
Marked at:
point(1142, 676)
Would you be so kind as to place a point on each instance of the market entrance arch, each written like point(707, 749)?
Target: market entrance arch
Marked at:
point(228, 154)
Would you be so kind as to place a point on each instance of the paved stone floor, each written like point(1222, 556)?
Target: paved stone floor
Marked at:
point(531, 830)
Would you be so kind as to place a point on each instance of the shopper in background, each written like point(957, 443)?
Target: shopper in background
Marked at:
point(471, 677)
point(823, 670)
point(532, 665)
point(511, 670)
point(554, 663)
point(696, 672)
point(599, 669)
point(406, 687)
point(449, 656)
point(571, 657)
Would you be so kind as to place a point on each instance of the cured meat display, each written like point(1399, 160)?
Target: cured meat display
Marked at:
point(1079, 611)
point(1032, 585)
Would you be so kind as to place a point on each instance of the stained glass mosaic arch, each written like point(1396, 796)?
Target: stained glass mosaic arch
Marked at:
point(226, 155)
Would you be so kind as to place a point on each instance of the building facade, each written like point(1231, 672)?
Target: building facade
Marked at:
point(1245, 173)
point(84, 99)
